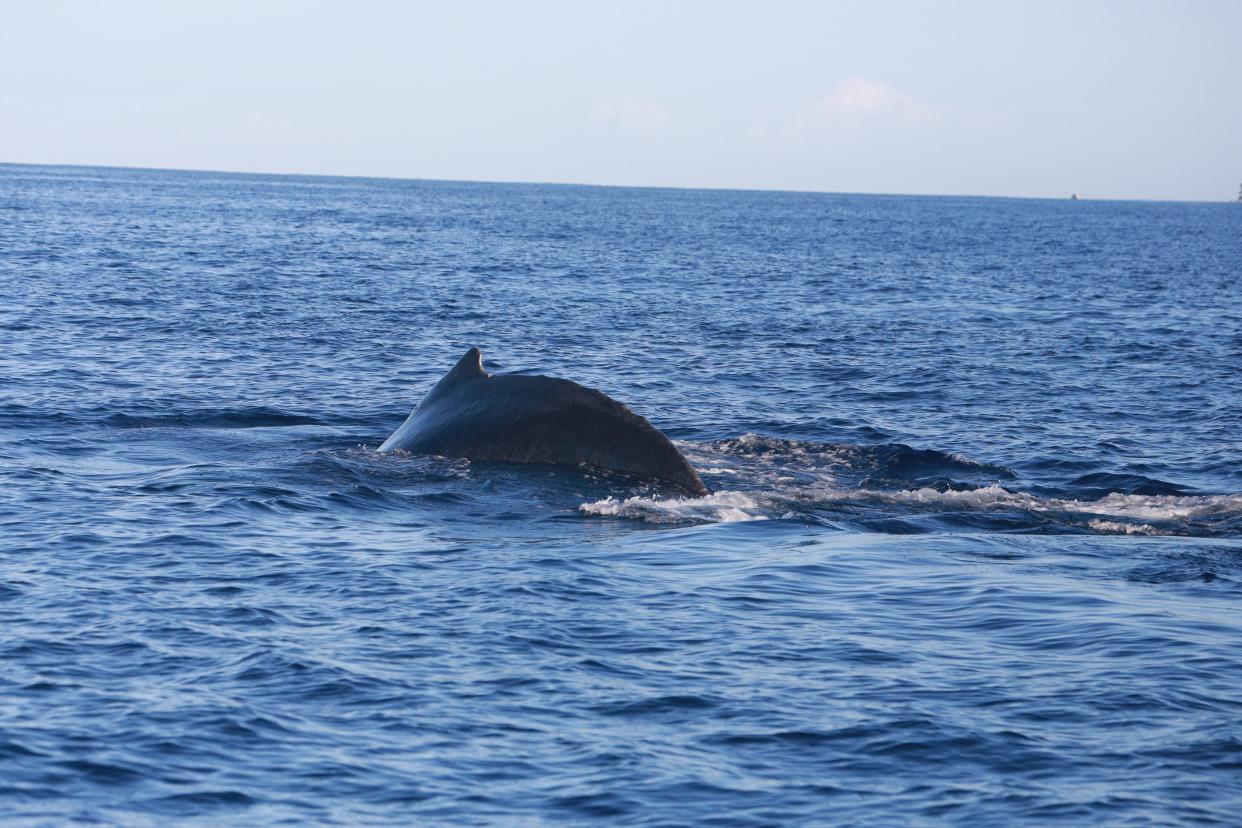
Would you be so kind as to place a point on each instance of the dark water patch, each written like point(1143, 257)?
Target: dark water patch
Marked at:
point(1099, 484)
point(211, 798)
point(13, 749)
point(887, 465)
point(657, 706)
point(101, 773)
point(1219, 566)
point(214, 418)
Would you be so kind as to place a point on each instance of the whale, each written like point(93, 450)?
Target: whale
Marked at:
point(521, 418)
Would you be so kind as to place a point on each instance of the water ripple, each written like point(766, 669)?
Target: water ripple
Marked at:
point(971, 554)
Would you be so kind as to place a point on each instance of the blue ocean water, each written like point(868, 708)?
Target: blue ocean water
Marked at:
point(973, 553)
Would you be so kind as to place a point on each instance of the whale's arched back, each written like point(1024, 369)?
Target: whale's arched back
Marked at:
point(535, 419)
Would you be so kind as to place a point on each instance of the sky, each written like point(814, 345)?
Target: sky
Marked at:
point(1137, 99)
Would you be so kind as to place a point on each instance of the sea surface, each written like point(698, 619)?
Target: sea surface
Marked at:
point(972, 556)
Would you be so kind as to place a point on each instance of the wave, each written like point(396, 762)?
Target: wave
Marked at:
point(897, 488)
point(1104, 483)
point(1112, 527)
point(1177, 512)
point(258, 417)
point(1113, 514)
point(895, 455)
point(169, 417)
point(718, 507)
point(877, 464)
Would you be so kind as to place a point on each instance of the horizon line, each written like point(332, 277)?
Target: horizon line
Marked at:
point(201, 171)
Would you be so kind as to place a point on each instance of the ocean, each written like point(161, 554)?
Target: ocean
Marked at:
point(972, 555)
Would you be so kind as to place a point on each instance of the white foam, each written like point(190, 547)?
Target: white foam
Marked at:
point(776, 474)
point(718, 507)
point(1131, 511)
point(1114, 528)
point(1111, 514)
point(1134, 507)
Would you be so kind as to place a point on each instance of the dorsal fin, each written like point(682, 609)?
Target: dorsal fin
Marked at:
point(468, 367)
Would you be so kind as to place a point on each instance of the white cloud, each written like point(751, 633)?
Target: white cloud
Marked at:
point(637, 114)
point(855, 109)
point(857, 99)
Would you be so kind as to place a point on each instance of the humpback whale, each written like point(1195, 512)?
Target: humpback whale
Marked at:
point(519, 418)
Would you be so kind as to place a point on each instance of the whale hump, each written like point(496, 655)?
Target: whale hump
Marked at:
point(521, 418)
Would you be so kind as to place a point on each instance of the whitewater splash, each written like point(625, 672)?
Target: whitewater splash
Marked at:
point(718, 507)
point(1137, 514)
point(773, 477)
point(1112, 514)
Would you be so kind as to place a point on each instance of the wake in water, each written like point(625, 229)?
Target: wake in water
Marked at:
point(896, 488)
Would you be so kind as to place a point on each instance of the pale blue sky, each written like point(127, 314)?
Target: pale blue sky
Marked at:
point(1110, 99)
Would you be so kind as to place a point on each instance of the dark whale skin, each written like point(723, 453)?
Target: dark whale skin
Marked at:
point(531, 419)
